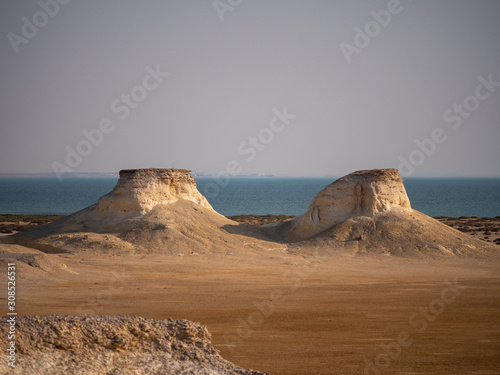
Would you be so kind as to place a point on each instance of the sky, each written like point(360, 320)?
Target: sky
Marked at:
point(299, 88)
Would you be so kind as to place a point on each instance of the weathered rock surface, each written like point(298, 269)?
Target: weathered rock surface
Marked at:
point(368, 212)
point(361, 193)
point(149, 210)
point(138, 191)
point(112, 345)
point(161, 211)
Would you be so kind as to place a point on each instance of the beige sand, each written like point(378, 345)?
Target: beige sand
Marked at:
point(320, 314)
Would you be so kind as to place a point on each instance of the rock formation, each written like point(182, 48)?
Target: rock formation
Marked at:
point(361, 193)
point(138, 191)
point(368, 212)
point(113, 345)
point(161, 211)
point(149, 210)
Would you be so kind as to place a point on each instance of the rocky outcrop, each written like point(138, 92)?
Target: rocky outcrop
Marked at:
point(113, 345)
point(361, 193)
point(138, 191)
point(161, 211)
point(368, 212)
point(148, 211)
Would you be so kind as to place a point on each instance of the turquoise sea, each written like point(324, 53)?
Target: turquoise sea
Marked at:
point(244, 195)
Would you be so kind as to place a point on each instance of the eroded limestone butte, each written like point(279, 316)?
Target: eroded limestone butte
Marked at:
point(361, 193)
point(148, 211)
point(138, 191)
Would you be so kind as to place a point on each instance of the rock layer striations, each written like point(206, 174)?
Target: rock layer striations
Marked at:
point(138, 191)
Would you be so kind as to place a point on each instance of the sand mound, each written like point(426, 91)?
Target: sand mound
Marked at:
point(30, 262)
point(368, 212)
point(113, 345)
point(149, 210)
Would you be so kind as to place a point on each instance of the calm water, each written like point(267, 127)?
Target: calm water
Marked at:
point(435, 197)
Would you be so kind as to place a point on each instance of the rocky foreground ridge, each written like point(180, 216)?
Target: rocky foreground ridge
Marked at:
point(123, 345)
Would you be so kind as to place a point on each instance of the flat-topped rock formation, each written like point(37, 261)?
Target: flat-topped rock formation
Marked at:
point(149, 210)
point(361, 193)
point(138, 191)
point(161, 211)
point(368, 212)
point(113, 345)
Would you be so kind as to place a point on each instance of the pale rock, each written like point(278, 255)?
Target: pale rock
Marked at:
point(93, 344)
point(138, 191)
point(362, 193)
point(148, 211)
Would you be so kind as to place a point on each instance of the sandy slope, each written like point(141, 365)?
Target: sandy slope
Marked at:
point(401, 233)
point(182, 228)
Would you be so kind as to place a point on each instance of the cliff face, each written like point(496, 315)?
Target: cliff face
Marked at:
point(138, 191)
point(361, 193)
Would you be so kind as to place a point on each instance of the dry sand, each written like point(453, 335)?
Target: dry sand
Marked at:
point(320, 314)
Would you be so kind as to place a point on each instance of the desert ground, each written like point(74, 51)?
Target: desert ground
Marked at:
point(359, 284)
point(286, 313)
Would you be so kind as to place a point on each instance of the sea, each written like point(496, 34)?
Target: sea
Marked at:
point(452, 197)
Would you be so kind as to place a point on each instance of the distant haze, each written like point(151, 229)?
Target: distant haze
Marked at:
point(310, 88)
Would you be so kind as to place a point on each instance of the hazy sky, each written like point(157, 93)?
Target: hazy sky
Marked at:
point(355, 84)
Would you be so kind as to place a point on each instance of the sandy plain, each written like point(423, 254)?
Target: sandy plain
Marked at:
point(293, 313)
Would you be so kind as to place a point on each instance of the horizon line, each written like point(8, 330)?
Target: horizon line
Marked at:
point(213, 175)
